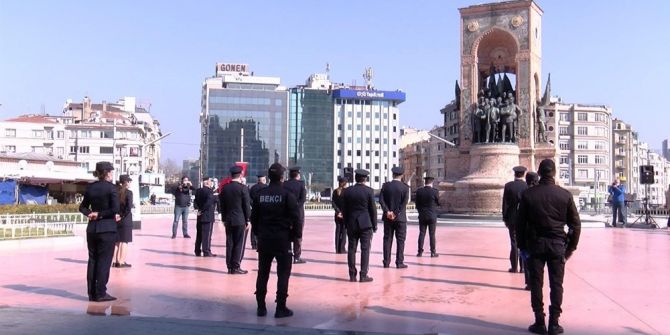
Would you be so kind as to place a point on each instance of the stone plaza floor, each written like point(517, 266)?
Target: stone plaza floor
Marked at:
point(616, 283)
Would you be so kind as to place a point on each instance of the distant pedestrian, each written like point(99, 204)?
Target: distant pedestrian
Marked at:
point(235, 207)
point(297, 187)
point(617, 197)
point(360, 217)
point(510, 207)
point(125, 227)
point(152, 199)
point(101, 206)
point(182, 202)
point(393, 199)
point(204, 203)
point(261, 183)
point(427, 201)
point(340, 228)
point(544, 211)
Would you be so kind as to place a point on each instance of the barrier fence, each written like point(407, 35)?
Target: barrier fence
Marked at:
point(18, 226)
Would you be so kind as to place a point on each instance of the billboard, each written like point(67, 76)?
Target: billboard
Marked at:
point(398, 96)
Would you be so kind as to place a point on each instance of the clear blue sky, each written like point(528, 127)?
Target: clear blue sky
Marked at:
point(599, 52)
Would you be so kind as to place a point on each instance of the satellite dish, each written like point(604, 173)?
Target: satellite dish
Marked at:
point(50, 165)
point(23, 164)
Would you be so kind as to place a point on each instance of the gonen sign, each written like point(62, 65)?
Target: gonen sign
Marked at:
point(229, 68)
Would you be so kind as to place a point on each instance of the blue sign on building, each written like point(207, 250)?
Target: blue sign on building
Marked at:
point(369, 95)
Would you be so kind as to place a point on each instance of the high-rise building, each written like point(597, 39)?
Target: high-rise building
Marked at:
point(244, 119)
point(666, 149)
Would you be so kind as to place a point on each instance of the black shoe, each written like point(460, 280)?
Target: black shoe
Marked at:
point(107, 297)
point(261, 311)
point(209, 255)
point(538, 328)
point(366, 279)
point(352, 278)
point(512, 270)
point(125, 265)
point(418, 254)
point(116, 265)
point(401, 266)
point(386, 266)
point(187, 236)
point(299, 261)
point(434, 254)
point(555, 329)
point(614, 225)
point(237, 272)
point(174, 236)
point(527, 288)
point(283, 312)
point(198, 255)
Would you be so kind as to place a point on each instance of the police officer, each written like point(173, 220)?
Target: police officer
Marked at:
point(360, 217)
point(544, 211)
point(427, 200)
point(274, 215)
point(532, 179)
point(510, 206)
point(261, 183)
point(297, 187)
point(101, 206)
point(205, 201)
point(235, 207)
point(340, 228)
point(393, 199)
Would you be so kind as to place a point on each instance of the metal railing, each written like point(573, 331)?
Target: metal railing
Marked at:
point(19, 226)
point(310, 206)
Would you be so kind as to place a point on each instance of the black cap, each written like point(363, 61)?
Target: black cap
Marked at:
point(294, 169)
point(125, 178)
point(102, 166)
point(276, 169)
point(361, 172)
point(532, 178)
point(260, 175)
point(519, 169)
point(205, 178)
point(547, 168)
point(342, 179)
point(428, 179)
point(235, 169)
point(397, 170)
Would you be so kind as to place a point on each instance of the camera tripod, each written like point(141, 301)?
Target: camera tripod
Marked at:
point(646, 215)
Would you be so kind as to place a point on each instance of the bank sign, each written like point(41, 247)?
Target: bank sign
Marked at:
point(369, 95)
point(223, 68)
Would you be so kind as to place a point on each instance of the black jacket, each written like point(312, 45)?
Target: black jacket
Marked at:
point(337, 201)
point(253, 191)
point(235, 204)
point(511, 198)
point(394, 197)
point(427, 200)
point(359, 208)
point(297, 187)
point(101, 197)
point(544, 211)
point(126, 209)
point(182, 196)
point(274, 214)
point(205, 202)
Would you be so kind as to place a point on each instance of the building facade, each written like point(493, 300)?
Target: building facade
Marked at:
point(244, 119)
point(413, 144)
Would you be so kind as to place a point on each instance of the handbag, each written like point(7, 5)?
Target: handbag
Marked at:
point(609, 198)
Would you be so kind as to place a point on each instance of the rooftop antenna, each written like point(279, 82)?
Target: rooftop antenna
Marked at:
point(367, 75)
point(328, 71)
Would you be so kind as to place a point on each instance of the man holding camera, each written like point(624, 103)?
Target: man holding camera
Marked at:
point(618, 200)
point(182, 202)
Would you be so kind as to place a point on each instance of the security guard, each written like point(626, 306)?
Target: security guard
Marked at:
point(297, 187)
point(544, 211)
point(260, 184)
point(510, 206)
point(340, 228)
point(235, 207)
point(393, 199)
point(360, 217)
point(101, 206)
point(427, 200)
point(274, 215)
point(205, 201)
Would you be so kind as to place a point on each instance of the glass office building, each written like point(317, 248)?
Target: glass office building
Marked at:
point(244, 119)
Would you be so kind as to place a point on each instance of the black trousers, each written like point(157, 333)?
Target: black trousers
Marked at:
point(203, 238)
point(552, 253)
point(100, 255)
point(340, 236)
point(297, 242)
point(399, 229)
point(234, 246)
point(365, 237)
point(267, 251)
point(430, 224)
point(514, 259)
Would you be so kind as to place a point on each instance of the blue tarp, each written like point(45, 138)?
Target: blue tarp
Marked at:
point(7, 192)
point(31, 194)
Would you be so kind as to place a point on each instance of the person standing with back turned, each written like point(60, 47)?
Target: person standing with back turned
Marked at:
point(297, 187)
point(427, 201)
point(510, 209)
point(360, 217)
point(205, 201)
point(393, 199)
point(235, 207)
point(544, 211)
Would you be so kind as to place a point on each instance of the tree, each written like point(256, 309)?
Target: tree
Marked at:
point(171, 169)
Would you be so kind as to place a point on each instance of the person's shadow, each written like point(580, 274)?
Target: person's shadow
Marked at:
point(46, 291)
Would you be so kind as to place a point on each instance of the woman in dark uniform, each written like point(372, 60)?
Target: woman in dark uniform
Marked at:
point(101, 206)
point(125, 227)
point(340, 228)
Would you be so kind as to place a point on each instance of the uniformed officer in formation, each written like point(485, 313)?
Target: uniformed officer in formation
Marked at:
point(101, 206)
point(360, 217)
point(340, 227)
point(275, 214)
point(427, 200)
point(510, 206)
point(393, 199)
point(297, 187)
point(205, 203)
point(235, 207)
point(261, 183)
point(544, 211)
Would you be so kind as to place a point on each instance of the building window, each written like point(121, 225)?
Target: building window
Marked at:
point(582, 145)
point(73, 150)
point(564, 117)
point(395, 116)
point(582, 130)
point(564, 145)
point(60, 134)
point(350, 127)
point(564, 160)
point(600, 159)
point(600, 131)
point(10, 132)
point(394, 141)
point(377, 166)
point(600, 145)
point(582, 117)
point(582, 159)
point(359, 114)
point(563, 130)
point(339, 139)
point(377, 153)
point(60, 151)
point(107, 134)
point(367, 153)
point(358, 153)
point(386, 154)
point(348, 139)
point(582, 173)
point(394, 154)
point(10, 148)
point(358, 127)
point(38, 133)
point(367, 166)
point(348, 152)
point(358, 140)
point(386, 141)
point(376, 179)
point(600, 117)
point(339, 152)
point(106, 150)
point(84, 150)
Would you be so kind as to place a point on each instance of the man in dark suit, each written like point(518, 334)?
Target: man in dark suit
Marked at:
point(427, 200)
point(205, 201)
point(393, 199)
point(261, 183)
point(297, 187)
point(360, 217)
point(510, 209)
point(235, 207)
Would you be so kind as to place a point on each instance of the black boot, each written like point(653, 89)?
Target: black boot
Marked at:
point(282, 311)
point(554, 327)
point(539, 327)
point(261, 310)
